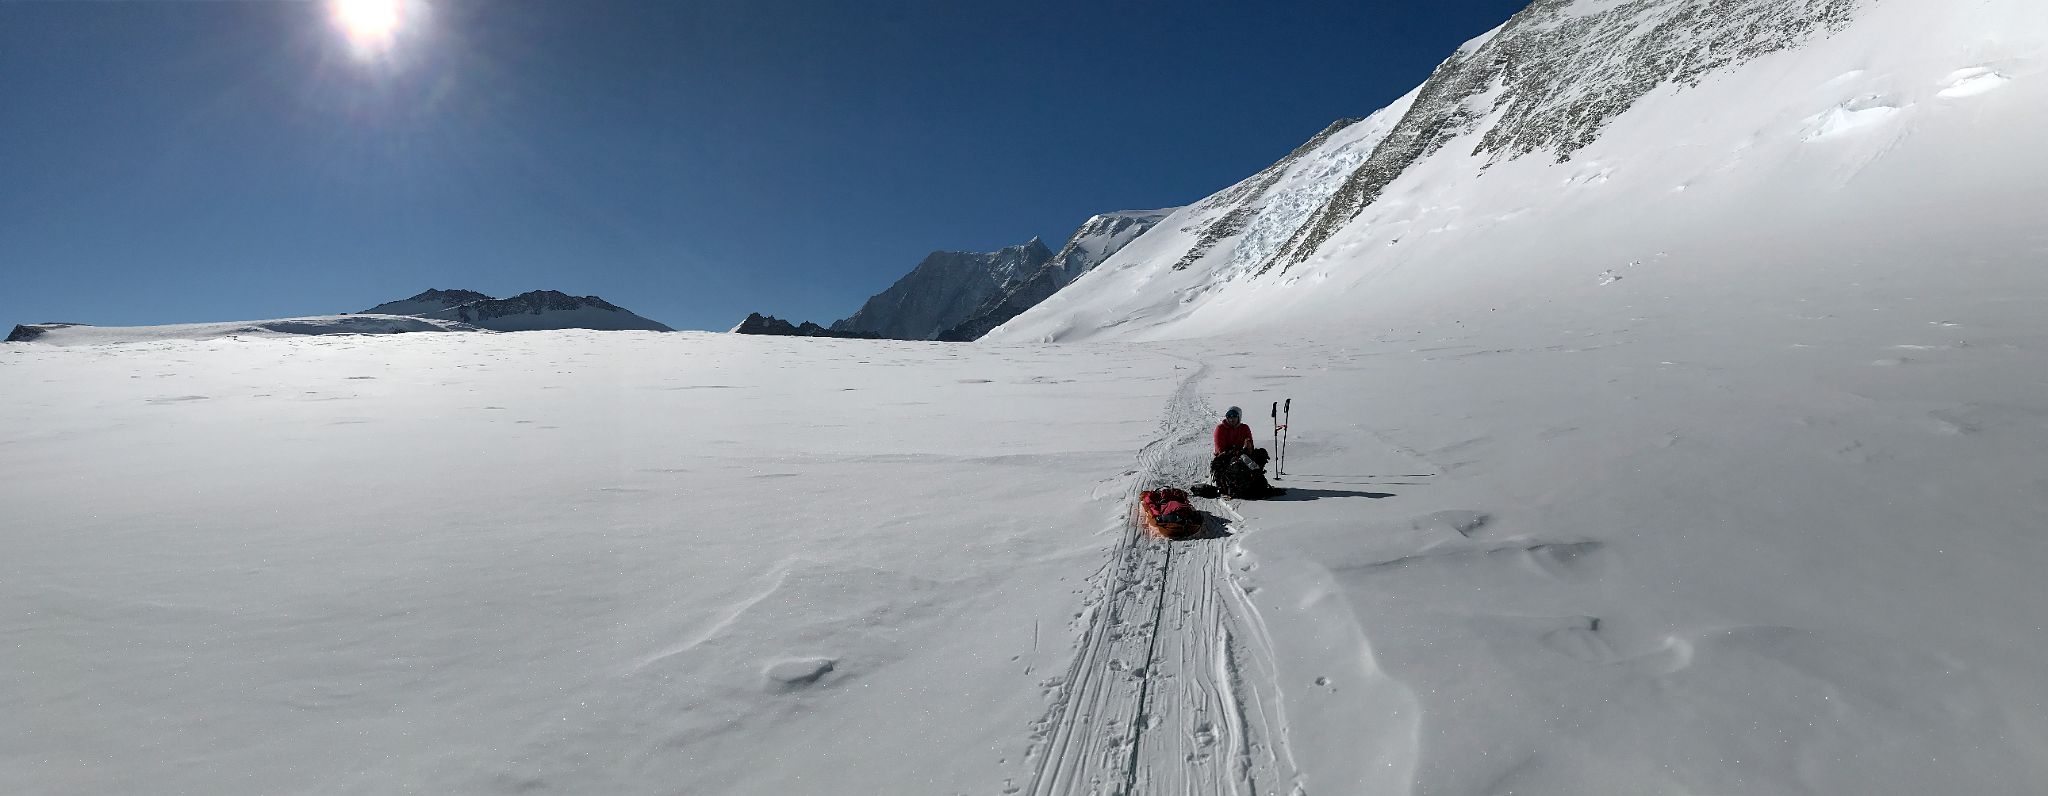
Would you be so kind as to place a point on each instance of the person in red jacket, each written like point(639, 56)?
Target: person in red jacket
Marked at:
point(1233, 434)
point(1238, 468)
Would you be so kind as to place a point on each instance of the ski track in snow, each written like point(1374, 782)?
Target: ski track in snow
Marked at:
point(1172, 687)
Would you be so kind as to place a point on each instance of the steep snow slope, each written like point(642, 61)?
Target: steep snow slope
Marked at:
point(943, 290)
point(1606, 133)
point(81, 334)
point(1206, 245)
point(1097, 239)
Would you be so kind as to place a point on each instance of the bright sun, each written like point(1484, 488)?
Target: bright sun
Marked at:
point(371, 25)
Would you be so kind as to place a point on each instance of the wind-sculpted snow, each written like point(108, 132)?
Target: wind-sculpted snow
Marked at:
point(1554, 76)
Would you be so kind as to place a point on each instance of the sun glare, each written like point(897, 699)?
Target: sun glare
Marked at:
point(371, 26)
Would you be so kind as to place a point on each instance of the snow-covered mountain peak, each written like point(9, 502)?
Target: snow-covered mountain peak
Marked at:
point(1098, 238)
point(1103, 234)
point(943, 290)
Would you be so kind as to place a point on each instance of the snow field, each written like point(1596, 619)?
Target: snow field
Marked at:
point(573, 561)
point(1705, 462)
point(1736, 543)
point(1659, 556)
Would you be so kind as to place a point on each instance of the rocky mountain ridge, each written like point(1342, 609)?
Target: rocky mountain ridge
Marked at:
point(943, 290)
point(756, 323)
point(535, 310)
point(959, 296)
point(1097, 239)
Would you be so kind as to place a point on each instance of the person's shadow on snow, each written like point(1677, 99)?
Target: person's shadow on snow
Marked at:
point(1299, 493)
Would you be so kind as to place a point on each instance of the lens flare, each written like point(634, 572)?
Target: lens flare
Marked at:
point(371, 26)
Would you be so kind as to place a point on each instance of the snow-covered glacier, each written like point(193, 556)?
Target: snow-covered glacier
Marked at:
point(1671, 425)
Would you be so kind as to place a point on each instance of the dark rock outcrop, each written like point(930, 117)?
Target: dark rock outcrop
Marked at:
point(27, 332)
point(536, 310)
point(944, 290)
point(431, 301)
point(756, 323)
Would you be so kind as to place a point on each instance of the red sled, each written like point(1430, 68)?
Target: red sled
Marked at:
point(1169, 513)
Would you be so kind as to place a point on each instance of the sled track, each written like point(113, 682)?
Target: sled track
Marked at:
point(1171, 689)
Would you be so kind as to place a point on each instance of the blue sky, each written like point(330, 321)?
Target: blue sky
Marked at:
point(165, 162)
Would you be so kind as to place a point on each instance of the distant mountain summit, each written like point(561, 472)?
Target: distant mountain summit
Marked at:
point(756, 323)
point(428, 302)
point(527, 312)
point(1094, 242)
point(945, 289)
point(959, 296)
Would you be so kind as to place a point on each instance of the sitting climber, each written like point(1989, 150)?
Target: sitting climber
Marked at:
point(1239, 465)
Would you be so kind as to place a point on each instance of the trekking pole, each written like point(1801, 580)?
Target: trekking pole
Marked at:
point(1288, 420)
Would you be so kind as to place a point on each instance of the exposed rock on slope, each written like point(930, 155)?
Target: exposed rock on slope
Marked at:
point(756, 323)
point(28, 332)
point(1555, 75)
point(431, 301)
point(944, 290)
point(1096, 240)
point(533, 311)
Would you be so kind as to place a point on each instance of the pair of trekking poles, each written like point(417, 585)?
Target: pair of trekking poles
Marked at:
point(1280, 437)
